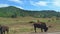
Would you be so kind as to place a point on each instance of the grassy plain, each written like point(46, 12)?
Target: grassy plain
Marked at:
point(22, 25)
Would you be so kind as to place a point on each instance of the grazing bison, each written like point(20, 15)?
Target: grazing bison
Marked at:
point(41, 25)
point(4, 29)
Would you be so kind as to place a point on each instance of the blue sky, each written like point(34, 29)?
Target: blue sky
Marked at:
point(32, 4)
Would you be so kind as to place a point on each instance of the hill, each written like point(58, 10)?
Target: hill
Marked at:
point(14, 11)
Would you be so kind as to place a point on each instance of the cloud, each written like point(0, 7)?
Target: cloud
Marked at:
point(39, 3)
point(19, 7)
point(4, 5)
point(17, 1)
point(56, 3)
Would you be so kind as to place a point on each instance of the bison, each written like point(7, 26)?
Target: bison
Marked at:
point(41, 25)
point(4, 29)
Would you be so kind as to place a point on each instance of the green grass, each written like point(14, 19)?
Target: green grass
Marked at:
point(21, 24)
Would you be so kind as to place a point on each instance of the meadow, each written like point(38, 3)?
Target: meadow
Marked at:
point(21, 24)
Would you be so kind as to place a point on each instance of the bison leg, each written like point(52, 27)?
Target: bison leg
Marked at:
point(7, 31)
point(35, 29)
point(4, 32)
point(41, 30)
point(1, 32)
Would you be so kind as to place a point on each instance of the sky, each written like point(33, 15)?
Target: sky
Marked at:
point(32, 4)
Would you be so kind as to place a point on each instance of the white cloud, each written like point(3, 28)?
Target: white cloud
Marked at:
point(56, 3)
point(19, 7)
point(4, 5)
point(39, 3)
point(17, 1)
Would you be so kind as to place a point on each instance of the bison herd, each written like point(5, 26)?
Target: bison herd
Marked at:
point(40, 25)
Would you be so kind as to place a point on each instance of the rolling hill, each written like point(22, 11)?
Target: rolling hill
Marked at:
point(11, 10)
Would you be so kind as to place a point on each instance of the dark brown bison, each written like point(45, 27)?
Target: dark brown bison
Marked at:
point(40, 25)
point(4, 29)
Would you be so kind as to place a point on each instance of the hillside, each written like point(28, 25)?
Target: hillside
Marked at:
point(11, 10)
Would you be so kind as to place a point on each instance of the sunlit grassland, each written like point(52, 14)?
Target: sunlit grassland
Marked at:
point(21, 24)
